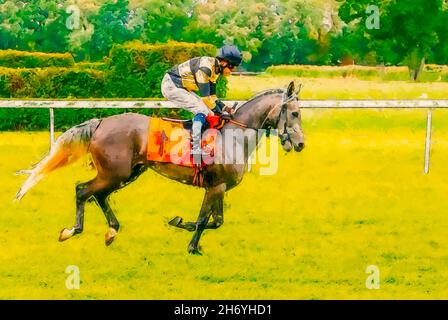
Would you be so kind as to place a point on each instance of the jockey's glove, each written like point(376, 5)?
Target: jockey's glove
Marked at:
point(219, 106)
point(226, 116)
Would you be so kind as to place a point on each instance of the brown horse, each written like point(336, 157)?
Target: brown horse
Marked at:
point(118, 148)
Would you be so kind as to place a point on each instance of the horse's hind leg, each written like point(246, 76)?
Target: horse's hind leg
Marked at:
point(83, 192)
point(103, 196)
point(103, 202)
point(218, 215)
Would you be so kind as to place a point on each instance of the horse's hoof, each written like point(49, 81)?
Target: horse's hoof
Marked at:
point(66, 234)
point(194, 250)
point(175, 222)
point(110, 236)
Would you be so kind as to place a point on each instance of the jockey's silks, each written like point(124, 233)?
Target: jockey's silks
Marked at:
point(198, 74)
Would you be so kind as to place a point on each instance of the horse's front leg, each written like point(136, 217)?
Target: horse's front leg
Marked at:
point(212, 202)
point(217, 216)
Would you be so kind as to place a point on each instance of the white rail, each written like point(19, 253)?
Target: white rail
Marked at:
point(311, 104)
point(142, 104)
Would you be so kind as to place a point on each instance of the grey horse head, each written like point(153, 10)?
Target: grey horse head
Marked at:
point(286, 118)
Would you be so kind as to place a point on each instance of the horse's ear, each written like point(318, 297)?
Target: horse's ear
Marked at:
point(291, 89)
point(297, 93)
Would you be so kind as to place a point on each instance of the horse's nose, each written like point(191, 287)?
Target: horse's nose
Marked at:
point(299, 147)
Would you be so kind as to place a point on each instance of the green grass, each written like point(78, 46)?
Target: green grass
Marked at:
point(356, 196)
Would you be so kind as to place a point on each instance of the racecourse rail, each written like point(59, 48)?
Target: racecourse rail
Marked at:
point(306, 104)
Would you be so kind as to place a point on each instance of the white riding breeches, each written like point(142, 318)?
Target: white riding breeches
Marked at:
point(183, 98)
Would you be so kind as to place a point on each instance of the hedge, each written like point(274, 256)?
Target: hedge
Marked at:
point(51, 83)
point(132, 70)
point(38, 119)
point(101, 66)
point(25, 59)
point(135, 69)
point(430, 73)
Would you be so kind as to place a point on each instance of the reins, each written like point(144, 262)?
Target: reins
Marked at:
point(281, 104)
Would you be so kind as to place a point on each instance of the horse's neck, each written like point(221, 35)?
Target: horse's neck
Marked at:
point(253, 114)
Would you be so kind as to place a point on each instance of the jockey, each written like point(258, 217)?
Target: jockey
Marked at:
point(200, 75)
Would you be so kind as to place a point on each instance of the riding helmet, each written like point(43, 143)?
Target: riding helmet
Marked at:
point(231, 54)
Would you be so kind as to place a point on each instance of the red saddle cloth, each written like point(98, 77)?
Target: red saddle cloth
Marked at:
point(169, 141)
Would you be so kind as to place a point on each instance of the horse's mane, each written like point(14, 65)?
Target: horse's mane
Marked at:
point(260, 95)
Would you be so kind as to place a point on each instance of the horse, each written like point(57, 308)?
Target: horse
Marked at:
point(118, 147)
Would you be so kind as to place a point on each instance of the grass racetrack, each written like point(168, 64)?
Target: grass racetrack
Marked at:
point(356, 196)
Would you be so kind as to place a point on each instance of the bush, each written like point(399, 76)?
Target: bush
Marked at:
point(51, 83)
point(25, 59)
point(361, 72)
point(101, 66)
point(135, 70)
point(38, 119)
point(23, 119)
point(430, 73)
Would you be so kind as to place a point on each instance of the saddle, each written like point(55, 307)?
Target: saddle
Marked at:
point(169, 140)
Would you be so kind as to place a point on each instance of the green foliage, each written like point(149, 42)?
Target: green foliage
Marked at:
point(136, 69)
point(348, 47)
point(291, 45)
point(409, 31)
point(430, 73)
point(439, 54)
point(37, 25)
point(51, 83)
point(110, 27)
point(253, 25)
point(270, 33)
point(12, 119)
point(167, 21)
point(101, 66)
point(133, 70)
point(23, 119)
point(25, 59)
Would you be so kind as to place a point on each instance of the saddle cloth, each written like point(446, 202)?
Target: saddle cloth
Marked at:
point(169, 140)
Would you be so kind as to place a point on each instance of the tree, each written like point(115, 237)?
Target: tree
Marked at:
point(34, 25)
point(407, 33)
point(439, 53)
point(110, 26)
point(167, 20)
point(8, 31)
point(290, 45)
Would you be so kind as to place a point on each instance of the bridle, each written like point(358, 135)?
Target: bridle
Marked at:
point(284, 136)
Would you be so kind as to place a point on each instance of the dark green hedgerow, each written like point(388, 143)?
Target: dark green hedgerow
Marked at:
point(132, 70)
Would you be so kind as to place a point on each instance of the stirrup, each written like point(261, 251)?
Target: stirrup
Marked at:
point(198, 177)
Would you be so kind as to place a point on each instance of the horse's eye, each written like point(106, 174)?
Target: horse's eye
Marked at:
point(295, 114)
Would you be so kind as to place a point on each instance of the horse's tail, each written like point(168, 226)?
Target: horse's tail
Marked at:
point(70, 146)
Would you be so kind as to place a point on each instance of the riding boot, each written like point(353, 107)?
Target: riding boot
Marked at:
point(196, 151)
